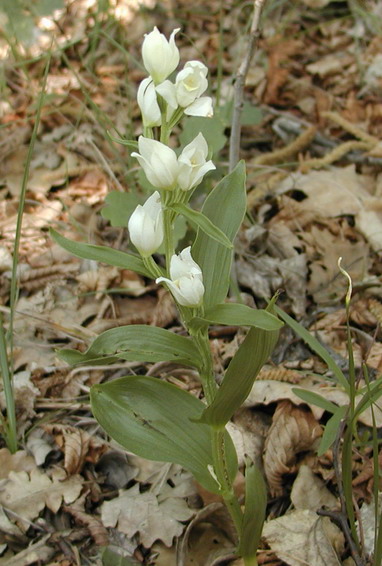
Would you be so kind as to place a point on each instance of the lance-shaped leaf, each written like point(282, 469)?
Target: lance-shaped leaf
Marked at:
point(240, 375)
point(254, 511)
point(101, 253)
point(234, 314)
point(137, 342)
point(315, 345)
point(225, 207)
point(156, 420)
point(331, 429)
point(202, 222)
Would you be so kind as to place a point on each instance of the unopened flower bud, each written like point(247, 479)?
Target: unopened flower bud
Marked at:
point(160, 57)
point(158, 161)
point(146, 226)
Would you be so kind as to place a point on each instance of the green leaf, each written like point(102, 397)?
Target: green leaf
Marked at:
point(225, 207)
point(369, 397)
point(101, 253)
point(112, 558)
point(130, 143)
point(119, 207)
point(233, 314)
point(251, 115)
point(156, 420)
point(314, 399)
point(203, 223)
point(240, 375)
point(331, 430)
point(254, 511)
point(315, 345)
point(137, 342)
point(211, 128)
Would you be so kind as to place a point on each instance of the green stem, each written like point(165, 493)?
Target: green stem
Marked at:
point(221, 471)
point(206, 374)
point(218, 436)
point(10, 429)
point(152, 267)
point(168, 225)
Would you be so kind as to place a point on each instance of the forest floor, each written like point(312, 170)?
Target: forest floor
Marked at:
point(311, 140)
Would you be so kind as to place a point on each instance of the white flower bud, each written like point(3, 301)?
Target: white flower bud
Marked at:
point(160, 57)
point(186, 283)
point(158, 161)
point(146, 226)
point(192, 163)
point(147, 101)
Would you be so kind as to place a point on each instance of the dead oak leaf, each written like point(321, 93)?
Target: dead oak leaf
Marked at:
point(134, 512)
point(27, 494)
point(301, 537)
point(294, 430)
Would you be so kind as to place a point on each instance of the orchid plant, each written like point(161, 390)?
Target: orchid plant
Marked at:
point(148, 416)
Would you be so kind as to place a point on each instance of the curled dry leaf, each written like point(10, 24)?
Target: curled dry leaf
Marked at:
point(197, 546)
point(301, 537)
point(78, 446)
point(95, 526)
point(294, 430)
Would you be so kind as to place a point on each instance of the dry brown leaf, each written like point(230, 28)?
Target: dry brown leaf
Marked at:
point(38, 552)
point(27, 494)
point(198, 547)
point(310, 492)
point(95, 526)
point(18, 462)
point(302, 538)
point(25, 394)
point(78, 446)
point(293, 430)
point(248, 432)
point(134, 512)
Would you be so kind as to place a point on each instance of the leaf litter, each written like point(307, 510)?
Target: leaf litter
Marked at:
point(319, 91)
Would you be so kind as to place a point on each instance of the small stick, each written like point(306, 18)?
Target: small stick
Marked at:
point(234, 146)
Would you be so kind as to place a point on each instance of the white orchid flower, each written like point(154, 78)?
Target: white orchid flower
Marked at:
point(146, 226)
point(192, 163)
point(160, 57)
point(158, 161)
point(190, 83)
point(186, 283)
point(201, 107)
